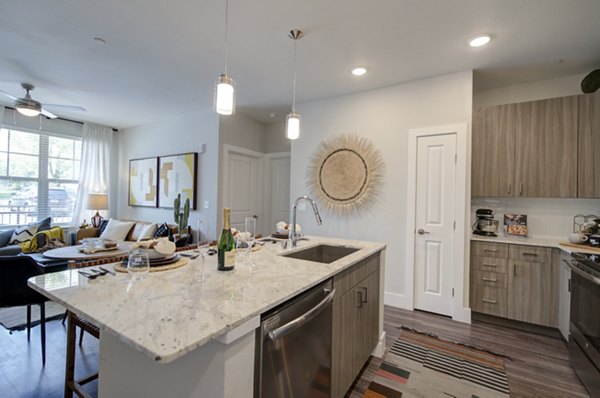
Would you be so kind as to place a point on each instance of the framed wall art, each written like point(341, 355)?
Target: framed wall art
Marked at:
point(143, 180)
point(177, 174)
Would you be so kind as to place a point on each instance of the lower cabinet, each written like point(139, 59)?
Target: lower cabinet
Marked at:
point(515, 282)
point(355, 329)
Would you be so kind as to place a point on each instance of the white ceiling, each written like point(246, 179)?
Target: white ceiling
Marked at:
point(163, 56)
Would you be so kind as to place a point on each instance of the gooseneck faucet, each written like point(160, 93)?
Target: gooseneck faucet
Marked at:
point(293, 234)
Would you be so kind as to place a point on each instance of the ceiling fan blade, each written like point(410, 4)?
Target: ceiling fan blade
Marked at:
point(48, 114)
point(70, 107)
point(8, 95)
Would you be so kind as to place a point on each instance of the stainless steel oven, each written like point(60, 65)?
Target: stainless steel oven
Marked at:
point(293, 347)
point(584, 345)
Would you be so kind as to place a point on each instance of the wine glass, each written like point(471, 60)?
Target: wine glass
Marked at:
point(203, 237)
point(250, 223)
point(138, 264)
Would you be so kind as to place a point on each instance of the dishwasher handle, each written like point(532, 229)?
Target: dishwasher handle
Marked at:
point(302, 319)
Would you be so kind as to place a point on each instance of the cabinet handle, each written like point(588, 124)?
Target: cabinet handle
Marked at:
point(489, 279)
point(521, 189)
point(360, 300)
point(365, 292)
point(509, 188)
point(487, 300)
point(490, 250)
point(490, 265)
point(530, 254)
point(569, 285)
point(514, 269)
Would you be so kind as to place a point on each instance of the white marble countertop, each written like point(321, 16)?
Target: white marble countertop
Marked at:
point(169, 313)
point(528, 241)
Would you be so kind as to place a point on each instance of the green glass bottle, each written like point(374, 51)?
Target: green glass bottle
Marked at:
point(226, 248)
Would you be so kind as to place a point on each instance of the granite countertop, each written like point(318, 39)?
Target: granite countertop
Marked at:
point(169, 313)
point(529, 241)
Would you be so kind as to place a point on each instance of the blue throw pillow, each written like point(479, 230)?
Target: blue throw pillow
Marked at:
point(5, 236)
point(162, 231)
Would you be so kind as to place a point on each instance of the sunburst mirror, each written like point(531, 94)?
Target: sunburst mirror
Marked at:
point(345, 173)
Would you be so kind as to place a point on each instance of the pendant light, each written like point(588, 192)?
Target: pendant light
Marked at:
point(224, 96)
point(292, 121)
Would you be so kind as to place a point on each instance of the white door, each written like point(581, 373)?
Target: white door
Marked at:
point(279, 192)
point(243, 187)
point(434, 222)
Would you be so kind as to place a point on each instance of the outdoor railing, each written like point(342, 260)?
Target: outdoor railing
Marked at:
point(19, 215)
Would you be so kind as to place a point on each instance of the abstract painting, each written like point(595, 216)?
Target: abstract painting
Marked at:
point(177, 174)
point(142, 182)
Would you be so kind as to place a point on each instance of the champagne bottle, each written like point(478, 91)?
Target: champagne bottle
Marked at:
point(226, 248)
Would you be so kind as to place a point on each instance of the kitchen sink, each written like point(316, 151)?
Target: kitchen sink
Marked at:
point(322, 253)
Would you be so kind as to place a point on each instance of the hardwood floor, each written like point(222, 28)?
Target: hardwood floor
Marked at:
point(21, 371)
point(538, 365)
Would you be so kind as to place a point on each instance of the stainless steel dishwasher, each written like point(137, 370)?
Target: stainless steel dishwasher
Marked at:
point(293, 347)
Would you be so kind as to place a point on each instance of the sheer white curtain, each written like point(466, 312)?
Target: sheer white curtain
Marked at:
point(94, 174)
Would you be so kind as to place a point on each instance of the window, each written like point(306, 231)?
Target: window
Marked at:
point(39, 176)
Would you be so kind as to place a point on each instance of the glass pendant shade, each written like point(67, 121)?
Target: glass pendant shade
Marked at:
point(224, 100)
point(27, 111)
point(292, 126)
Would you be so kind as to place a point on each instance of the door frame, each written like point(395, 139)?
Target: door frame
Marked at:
point(460, 312)
point(229, 149)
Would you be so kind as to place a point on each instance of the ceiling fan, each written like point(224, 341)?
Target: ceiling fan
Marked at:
point(29, 107)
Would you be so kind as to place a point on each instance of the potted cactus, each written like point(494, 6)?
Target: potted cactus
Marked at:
point(181, 218)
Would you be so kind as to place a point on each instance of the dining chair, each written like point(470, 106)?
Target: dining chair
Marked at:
point(14, 273)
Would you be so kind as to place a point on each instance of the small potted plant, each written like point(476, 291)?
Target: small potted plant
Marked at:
point(181, 219)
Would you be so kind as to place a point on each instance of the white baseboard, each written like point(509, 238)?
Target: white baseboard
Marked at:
point(380, 348)
point(463, 315)
point(397, 300)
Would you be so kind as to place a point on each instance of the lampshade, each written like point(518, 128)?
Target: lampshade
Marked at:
point(292, 126)
point(28, 109)
point(225, 95)
point(97, 201)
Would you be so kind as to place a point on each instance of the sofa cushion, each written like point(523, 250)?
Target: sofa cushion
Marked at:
point(117, 230)
point(10, 250)
point(23, 233)
point(102, 226)
point(137, 229)
point(5, 236)
point(162, 231)
point(147, 232)
point(44, 225)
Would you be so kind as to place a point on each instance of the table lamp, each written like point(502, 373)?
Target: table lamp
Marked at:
point(97, 201)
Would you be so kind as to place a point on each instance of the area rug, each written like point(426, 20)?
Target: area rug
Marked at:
point(15, 318)
point(421, 365)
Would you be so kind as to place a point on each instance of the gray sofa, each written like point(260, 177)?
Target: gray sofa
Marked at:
point(6, 234)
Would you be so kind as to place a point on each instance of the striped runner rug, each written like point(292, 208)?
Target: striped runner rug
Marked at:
point(420, 365)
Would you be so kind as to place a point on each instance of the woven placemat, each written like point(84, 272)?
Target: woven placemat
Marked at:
point(120, 267)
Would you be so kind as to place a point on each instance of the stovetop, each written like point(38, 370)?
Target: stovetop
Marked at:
point(590, 260)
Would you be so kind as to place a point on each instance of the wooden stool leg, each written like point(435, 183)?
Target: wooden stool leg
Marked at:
point(43, 331)
point(28, 322)
point(70, 362)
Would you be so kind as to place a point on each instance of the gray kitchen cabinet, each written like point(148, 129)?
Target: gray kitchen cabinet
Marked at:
point(355, 329)
point(515, 282)
point(588, 171)
point(564, 296)
point(493, 152)
point(546, 148)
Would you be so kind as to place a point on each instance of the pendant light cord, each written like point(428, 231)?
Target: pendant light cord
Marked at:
point(294, 81)
point(226, 35)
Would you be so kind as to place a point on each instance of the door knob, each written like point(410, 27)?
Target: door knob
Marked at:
point(421, 231)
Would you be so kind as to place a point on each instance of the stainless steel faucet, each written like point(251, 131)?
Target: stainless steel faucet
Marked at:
point(293, 234)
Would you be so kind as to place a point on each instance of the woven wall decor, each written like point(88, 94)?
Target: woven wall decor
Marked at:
point(345, 172)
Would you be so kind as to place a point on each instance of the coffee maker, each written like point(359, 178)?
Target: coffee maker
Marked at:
point(485, 225)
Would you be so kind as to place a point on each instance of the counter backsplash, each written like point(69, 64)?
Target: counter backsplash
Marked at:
point(546, 217)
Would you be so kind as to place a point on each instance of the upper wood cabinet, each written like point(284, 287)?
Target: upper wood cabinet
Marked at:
point(527, 149)
point(493, 151)
point(588, 172)
point(546, 148)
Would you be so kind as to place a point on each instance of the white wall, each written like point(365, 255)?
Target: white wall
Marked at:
point(174, 134)
point(242, 131)
point(547, 217)
point(275, 139)
point(384, 116)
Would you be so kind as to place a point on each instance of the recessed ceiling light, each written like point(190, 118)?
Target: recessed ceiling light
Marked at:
point(359, 71)
point(479, 41)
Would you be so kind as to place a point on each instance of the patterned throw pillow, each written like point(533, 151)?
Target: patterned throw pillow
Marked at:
point(162, 231)
point(102, 226)
point(23, 234)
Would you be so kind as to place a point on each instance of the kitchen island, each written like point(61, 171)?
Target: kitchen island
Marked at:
point(190, 332)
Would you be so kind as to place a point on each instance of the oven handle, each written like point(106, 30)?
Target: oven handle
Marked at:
point(302, 319)
point(584, 274)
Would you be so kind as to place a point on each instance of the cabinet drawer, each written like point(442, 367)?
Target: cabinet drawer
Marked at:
point(491, 264)
point(488, 300)
point(349, 277)
point(532, 254)
point(489, 249)
point(492, 279)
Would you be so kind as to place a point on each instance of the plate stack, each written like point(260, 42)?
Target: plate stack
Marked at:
point(160, 261)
